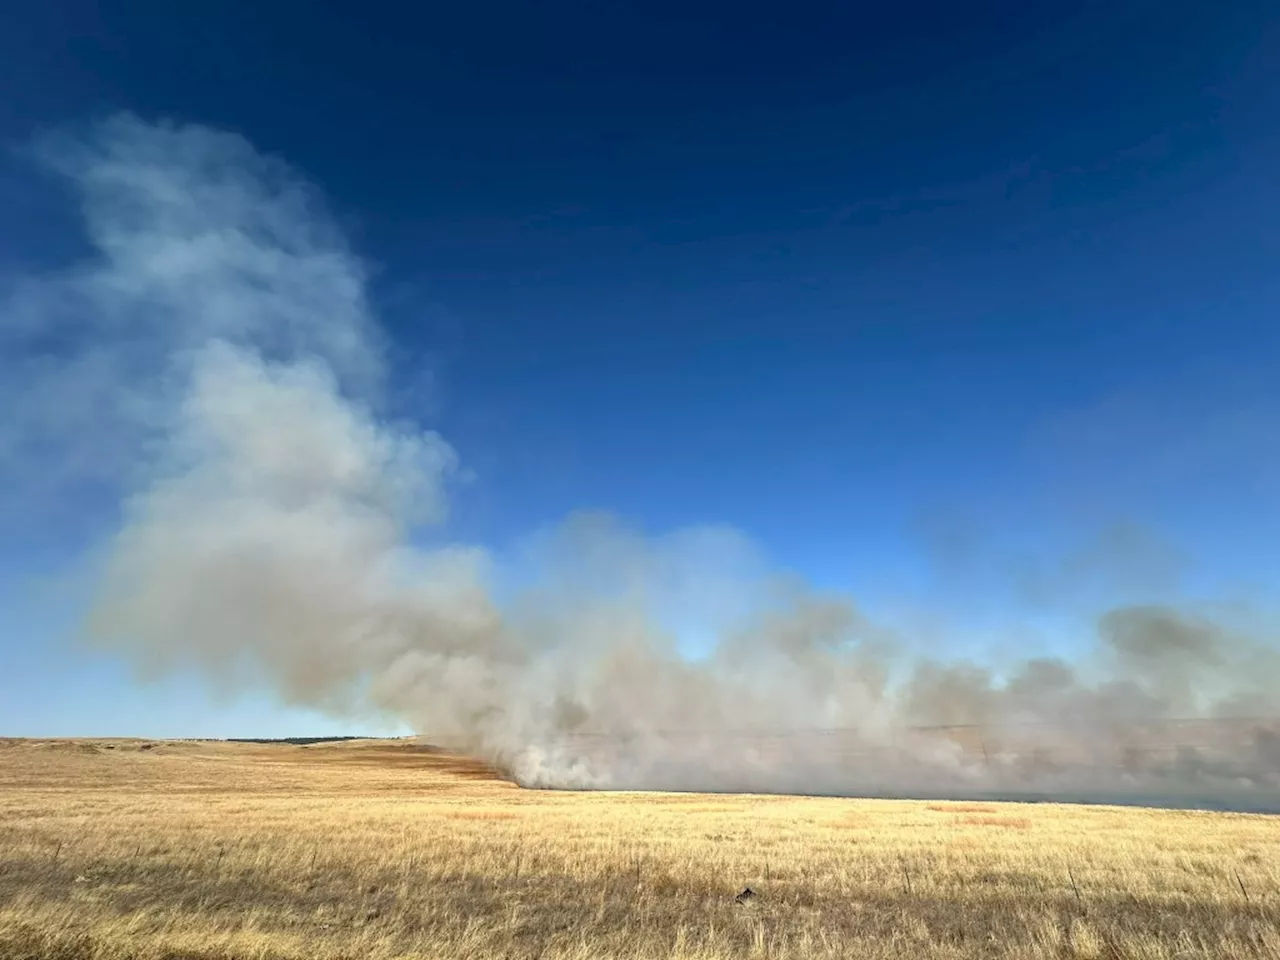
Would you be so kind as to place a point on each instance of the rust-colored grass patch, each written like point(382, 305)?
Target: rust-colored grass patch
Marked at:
point(1007, 823)
point(481, 815)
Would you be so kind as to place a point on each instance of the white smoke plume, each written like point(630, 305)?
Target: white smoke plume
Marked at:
point(216, 360)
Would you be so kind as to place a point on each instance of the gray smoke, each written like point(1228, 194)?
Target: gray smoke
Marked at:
point(217, 361)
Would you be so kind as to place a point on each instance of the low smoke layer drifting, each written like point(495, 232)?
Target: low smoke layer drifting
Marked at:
point(217, 360)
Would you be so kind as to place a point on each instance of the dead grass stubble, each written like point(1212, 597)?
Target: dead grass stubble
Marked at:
point(384, 849)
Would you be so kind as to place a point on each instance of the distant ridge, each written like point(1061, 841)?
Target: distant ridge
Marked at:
point(296, 741)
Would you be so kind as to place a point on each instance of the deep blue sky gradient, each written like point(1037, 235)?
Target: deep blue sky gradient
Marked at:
point(912, 294)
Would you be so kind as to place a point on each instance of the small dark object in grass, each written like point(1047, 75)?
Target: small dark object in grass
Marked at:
point(746, 895)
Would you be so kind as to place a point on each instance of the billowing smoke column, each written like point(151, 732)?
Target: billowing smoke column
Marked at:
point(217, 360)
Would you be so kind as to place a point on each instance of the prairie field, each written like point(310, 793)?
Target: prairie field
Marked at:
point(380, 849)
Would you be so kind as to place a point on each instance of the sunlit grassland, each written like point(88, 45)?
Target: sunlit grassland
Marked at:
point(383, 849)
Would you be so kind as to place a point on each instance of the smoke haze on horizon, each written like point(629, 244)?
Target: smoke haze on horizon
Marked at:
point(218, 363)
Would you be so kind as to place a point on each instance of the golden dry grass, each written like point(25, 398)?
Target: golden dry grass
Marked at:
point(383, 849)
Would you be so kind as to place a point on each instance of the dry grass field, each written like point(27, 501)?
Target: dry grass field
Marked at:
point(115, 849)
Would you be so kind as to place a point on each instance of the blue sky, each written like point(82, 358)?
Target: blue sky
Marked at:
point(929, 302)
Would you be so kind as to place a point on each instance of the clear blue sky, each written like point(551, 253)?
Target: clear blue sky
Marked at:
point(909, 294)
